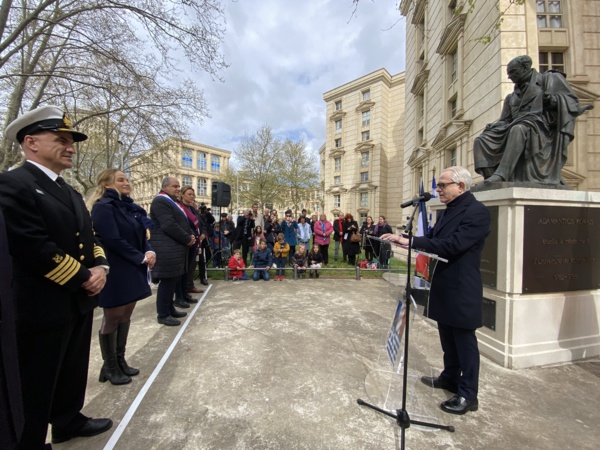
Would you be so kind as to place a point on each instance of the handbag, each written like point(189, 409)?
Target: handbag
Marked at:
point(356, 237)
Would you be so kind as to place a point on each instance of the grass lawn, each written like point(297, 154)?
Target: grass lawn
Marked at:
point(395, 266)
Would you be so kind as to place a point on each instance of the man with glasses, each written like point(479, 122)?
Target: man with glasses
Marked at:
point(456, 296)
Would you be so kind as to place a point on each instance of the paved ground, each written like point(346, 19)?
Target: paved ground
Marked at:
point(280, 365)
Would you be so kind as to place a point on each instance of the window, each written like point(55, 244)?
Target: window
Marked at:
point(186, 180)
point(338, 142)
point(338, 126)
point(364, 159)
point(186, 158)
point(336, 201)
point(549, 14)
point(452, 104)
point(453, 67)
point(366, 95)
point(364, 199)
point(201, 161)
point(337, 164)
point(452, 157)
point(338, 105)
point(215, 164)
point(337, 180)
point(364, 176)
point(366, 118)
point(202, 189)
point(366, 135)
point(552, 60)
point(363, 218)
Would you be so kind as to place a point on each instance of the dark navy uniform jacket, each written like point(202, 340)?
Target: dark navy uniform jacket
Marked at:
point(52, 245)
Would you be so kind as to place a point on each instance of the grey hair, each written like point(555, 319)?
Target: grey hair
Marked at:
point(458, 174)
point(166, 181)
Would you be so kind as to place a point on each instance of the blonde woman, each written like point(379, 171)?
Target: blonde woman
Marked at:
point(121, 226)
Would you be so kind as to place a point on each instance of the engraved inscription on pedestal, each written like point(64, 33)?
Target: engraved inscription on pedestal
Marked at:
point(489, 255)
point(561, 249)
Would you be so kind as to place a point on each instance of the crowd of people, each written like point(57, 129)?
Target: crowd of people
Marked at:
point(55, 249)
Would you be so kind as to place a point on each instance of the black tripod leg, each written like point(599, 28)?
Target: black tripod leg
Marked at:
point(449, 428)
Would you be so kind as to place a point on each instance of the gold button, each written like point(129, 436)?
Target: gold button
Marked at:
point(77, 234)
point(81, 258)
point(80, 245)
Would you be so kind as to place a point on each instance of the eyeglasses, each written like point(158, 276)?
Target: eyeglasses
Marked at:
point(442, 186)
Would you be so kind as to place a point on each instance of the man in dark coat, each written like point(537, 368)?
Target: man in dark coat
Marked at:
point(456, 296)
point(529, 142)
point(170, 239)
point(59, 268)
point(11, 403)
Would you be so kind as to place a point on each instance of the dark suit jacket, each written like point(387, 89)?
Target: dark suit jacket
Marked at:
point(169, 238)
point(124, 240)
point(11, 404)
point(456, 296)
point(52, 245)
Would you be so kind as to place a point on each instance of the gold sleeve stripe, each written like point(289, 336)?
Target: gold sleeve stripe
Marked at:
point(66, 270)
point(98, 252)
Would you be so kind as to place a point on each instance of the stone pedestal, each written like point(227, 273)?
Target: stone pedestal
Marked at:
point(541, 272)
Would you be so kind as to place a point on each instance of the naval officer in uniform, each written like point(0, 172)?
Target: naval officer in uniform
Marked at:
point(58, 270)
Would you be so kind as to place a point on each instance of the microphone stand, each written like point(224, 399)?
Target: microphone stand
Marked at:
point(402, 417)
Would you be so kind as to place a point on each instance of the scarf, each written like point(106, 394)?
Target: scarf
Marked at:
point(377, 227)
point(192, 218)
point(134, 210)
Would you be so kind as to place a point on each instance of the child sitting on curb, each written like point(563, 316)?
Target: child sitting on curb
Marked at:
point(315, 261)
point(299, 261)
point(261, 259)
point(281, 249)
point(237, 267)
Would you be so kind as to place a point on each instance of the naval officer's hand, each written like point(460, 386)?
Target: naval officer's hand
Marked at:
point(96, 281)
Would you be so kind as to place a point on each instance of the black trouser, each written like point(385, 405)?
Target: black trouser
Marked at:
point(164, 296)
point(324, 249)
point(54, 366)
point(461, 359)
point(369, 253)
point(202, 258)
point(191, 267)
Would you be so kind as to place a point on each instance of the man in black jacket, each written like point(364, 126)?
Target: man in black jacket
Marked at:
point(456, 296)
point(170, 239)
point(59, 268)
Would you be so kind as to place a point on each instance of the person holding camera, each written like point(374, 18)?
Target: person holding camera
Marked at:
point(351, 248)
point(368, 229)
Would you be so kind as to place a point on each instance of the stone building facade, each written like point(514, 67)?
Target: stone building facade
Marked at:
point(456, 84)
point(361, 161)
point(193, 164)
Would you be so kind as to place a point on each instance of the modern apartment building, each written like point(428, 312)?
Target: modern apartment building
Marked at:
point(456, 84)
point(194, 164)
point(361, 161)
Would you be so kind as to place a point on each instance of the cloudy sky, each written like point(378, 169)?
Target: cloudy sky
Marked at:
point(284, 54)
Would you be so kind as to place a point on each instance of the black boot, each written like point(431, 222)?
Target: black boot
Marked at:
point(110, 370)
point(122, 333)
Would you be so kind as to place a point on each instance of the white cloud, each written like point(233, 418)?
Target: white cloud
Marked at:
point(284, 54)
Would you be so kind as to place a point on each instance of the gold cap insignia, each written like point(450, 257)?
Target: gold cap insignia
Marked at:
point(57, 258)
point(68, 123)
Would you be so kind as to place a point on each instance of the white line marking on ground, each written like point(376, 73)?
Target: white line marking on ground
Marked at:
point(138, 400)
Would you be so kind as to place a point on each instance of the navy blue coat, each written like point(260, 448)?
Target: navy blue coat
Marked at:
point(124, 241)
point(456, 296)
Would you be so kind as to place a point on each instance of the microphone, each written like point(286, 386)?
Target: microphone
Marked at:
point(425, 197)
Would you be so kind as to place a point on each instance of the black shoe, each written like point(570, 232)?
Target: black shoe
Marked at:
point(91, 428)
point(110, 369)
point(204, 282)
point(181, 303)
point(178, 314)
point(190, 299)
point(169, 321)
point(439, 383)
point(459, 405)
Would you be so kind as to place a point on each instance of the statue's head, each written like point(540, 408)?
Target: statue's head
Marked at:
point(519, 69)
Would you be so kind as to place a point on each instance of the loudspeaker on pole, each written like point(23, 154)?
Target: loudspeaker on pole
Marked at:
point(221, 194)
